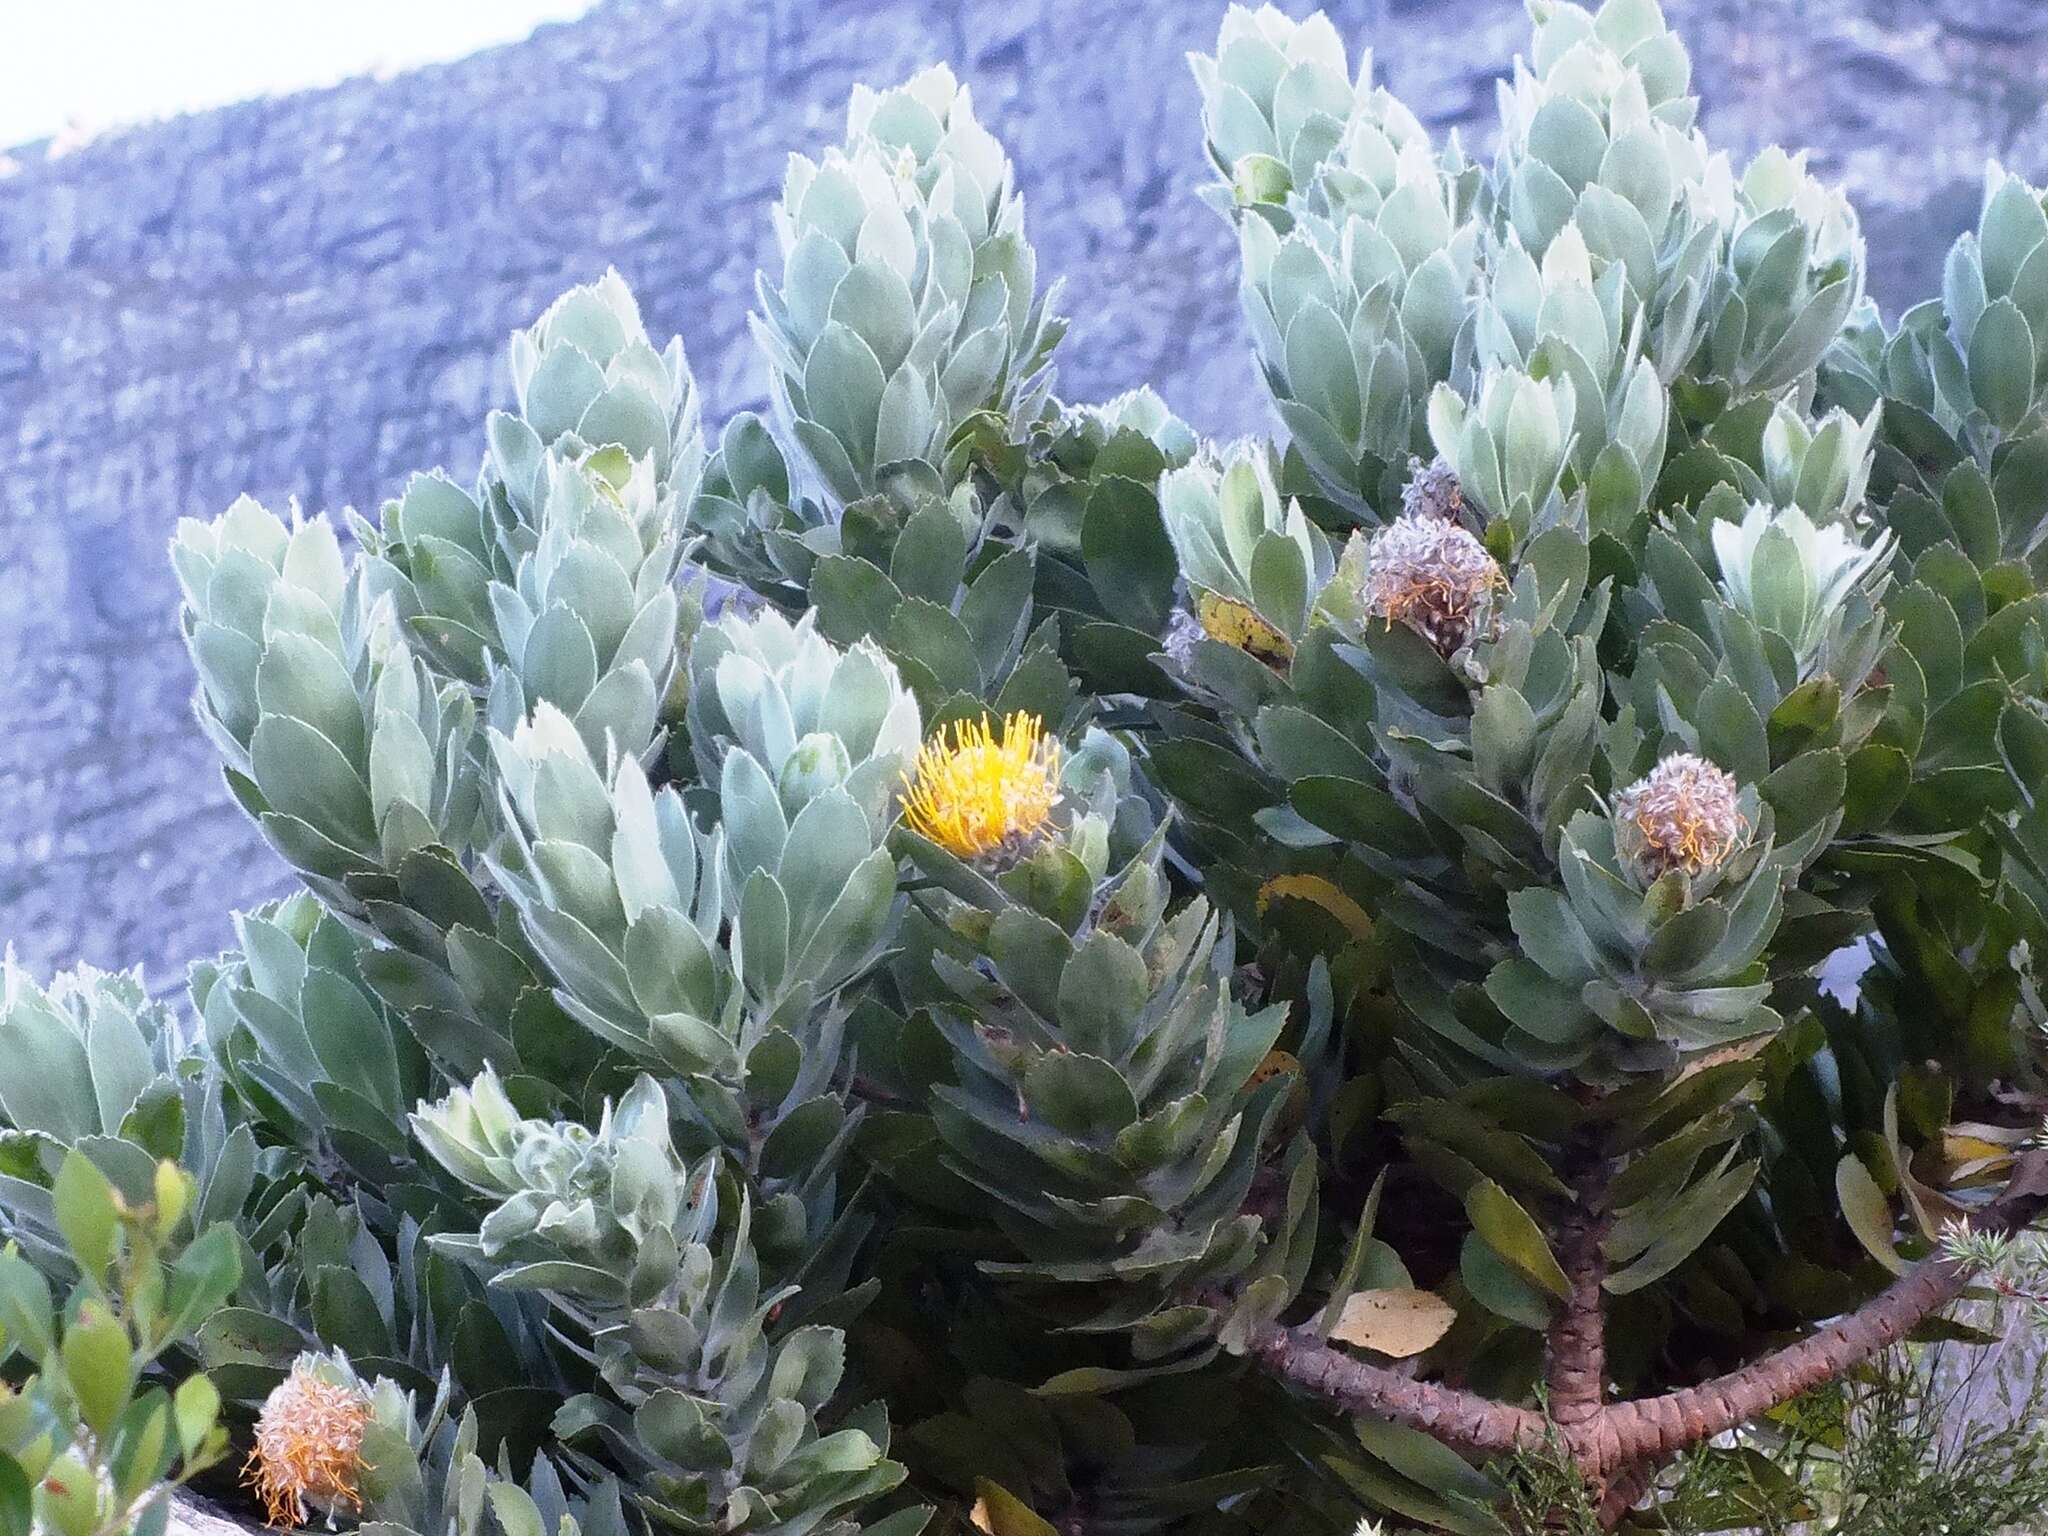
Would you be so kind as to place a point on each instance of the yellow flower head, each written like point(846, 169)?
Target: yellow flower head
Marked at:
point(1232, 623)
point(979, 797)
point(309, 1445)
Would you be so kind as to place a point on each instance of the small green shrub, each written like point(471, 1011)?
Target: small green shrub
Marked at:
point(89, 1446)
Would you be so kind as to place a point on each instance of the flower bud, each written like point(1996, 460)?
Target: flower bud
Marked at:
point(1795, 577)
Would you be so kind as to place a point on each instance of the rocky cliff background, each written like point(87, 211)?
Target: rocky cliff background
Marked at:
point(307, 297)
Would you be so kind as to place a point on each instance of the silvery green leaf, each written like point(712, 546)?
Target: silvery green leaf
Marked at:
point(855, 925)
point(1320, 369)
point(905, 421)
point(751, 813)
point(875, 302)
point(2002, 364)
point(827, 839)
point(669, 965)
point(302, 678)
point(306, 776)
point(619, 714)
point(1636, 167)
point(558, 662)
point(628, 418)
point(761, 934)
point(560, 391)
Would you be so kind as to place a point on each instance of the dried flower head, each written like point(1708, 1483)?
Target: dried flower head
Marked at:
point(309, 1445)
point(1432, 490)
point(980, 796)
point(1433, 576)
point(1226, 620)
point(1683, 815)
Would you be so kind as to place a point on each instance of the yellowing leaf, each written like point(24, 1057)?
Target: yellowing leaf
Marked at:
point(1741, 1050)
point(1319, 892)
point(999, 1512)
point(1967, 1149)
point(1968, 1159)
point(1869, 1213)
point(1272, 1065)
point(1398, 1323)
point(1970, 1148)
point(2005, 1136)
point(1931, 1209)
point(1295, 1110)
point(1513, 1234)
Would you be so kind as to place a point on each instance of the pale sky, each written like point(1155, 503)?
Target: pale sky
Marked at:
point(71, 65)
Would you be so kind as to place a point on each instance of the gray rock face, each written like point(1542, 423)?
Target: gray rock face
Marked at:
point(308, 297)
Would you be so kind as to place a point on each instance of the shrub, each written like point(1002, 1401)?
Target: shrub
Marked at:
point(87, 1448)
point(967, 956)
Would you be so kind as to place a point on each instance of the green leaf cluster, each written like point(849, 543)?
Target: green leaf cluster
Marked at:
point(107, 1417)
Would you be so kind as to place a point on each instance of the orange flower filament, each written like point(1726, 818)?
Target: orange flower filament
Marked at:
point(1425, 571)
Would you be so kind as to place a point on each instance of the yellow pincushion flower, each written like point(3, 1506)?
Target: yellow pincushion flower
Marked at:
point(309, 1445)
point(979, 796)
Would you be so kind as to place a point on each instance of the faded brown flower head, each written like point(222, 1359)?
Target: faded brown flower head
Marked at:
point(1433, 576)
point(1683, 815)
point(309, 1445)
point(1432, 490)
